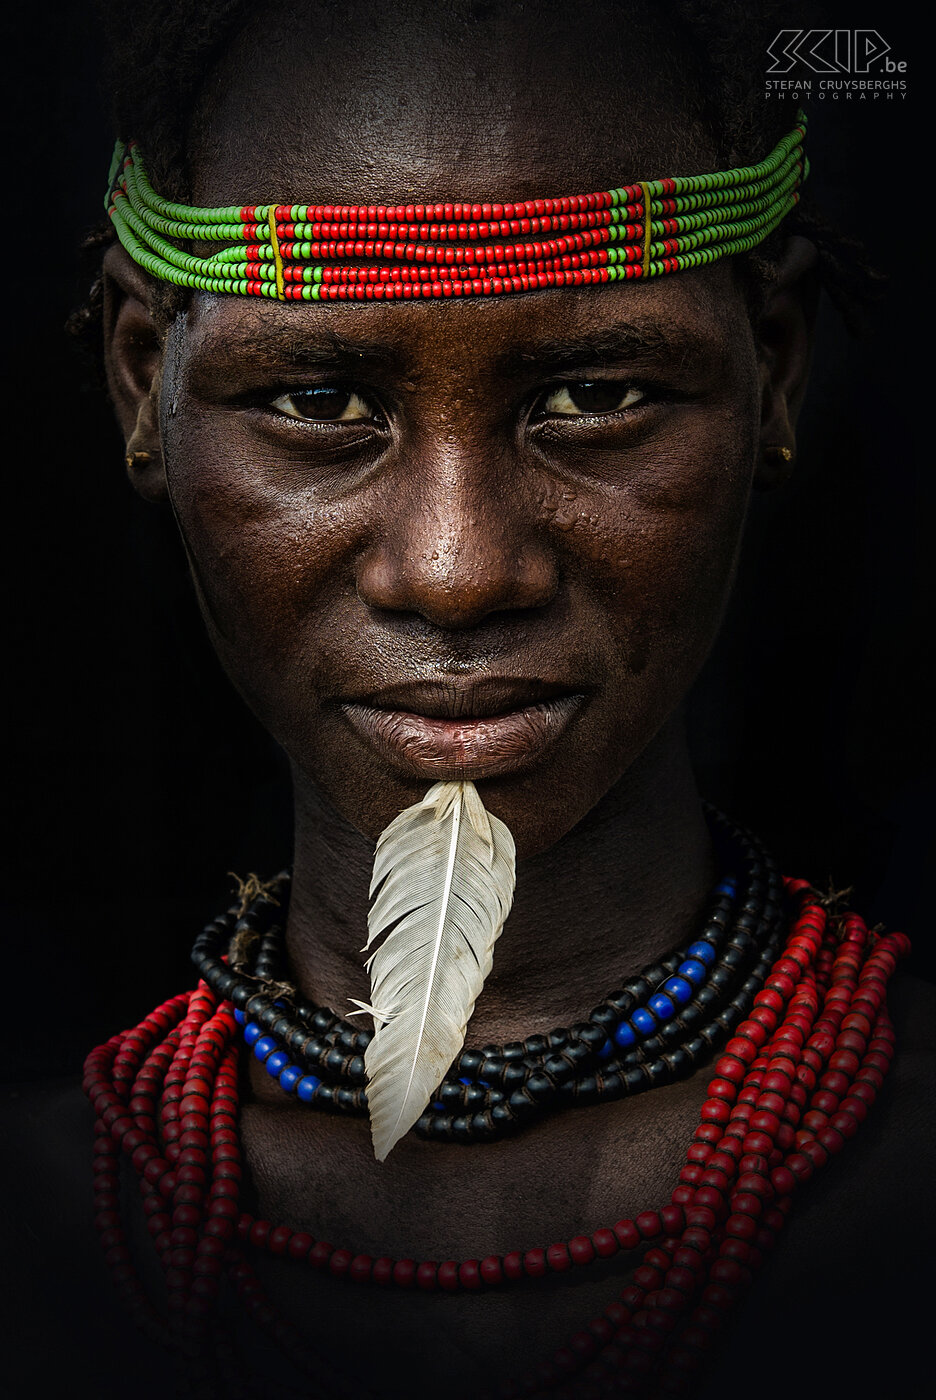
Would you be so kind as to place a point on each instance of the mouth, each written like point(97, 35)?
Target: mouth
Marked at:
point(481, 729)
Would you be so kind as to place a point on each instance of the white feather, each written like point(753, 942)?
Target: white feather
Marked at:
point(444, 874)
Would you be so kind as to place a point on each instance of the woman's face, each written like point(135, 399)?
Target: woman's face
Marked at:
point(489, 539)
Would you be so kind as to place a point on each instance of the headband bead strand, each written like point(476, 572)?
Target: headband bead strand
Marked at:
point(356, 252)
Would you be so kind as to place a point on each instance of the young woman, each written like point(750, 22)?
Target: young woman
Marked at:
point(488, 538)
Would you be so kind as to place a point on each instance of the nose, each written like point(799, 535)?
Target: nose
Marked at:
point(455, 544)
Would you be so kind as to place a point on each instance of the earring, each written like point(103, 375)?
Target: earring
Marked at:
point(136, 459)
point(777, 455)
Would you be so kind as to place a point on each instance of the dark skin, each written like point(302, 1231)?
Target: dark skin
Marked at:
point(457, 520)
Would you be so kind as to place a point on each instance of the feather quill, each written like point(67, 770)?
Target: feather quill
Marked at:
point(444, 873)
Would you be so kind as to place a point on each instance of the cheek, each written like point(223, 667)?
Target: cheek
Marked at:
point(266, 554)
point(655, 548)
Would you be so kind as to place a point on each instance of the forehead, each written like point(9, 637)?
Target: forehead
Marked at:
point(440, 100)
point(688, 322)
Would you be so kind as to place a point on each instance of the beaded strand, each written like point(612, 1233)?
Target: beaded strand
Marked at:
point(652, 1032)
point(329, 252)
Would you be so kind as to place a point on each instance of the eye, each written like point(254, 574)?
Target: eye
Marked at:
point(590, 397)
point(326, 403)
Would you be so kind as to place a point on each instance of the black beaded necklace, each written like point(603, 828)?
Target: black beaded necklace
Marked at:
point(656, 1029)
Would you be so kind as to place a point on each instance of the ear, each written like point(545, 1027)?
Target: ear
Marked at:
point(785, 336)
point(133, 360)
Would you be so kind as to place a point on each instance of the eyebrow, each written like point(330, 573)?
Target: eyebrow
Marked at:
point(294, 346)
point(608, 345)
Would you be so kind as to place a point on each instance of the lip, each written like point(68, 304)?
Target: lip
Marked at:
point(483, 728)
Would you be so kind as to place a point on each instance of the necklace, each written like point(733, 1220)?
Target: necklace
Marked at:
point(653, 1031)
point(790, 1087)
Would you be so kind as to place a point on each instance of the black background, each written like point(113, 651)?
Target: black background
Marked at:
point(135, 779)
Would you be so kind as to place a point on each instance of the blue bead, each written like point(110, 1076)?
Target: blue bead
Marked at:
point(277, 1061)
point(264, 1046)
point(252, 1033)
point(240, 1016)
point(464, 1081)
point(624, 1035)
point(728, 886)
point(307, 1087)
point(643, 1020)
point(485, 1083)
point(703, 951)
point(693, 971)
point(289, 1077)
point(438, 1106)
point(679, 989)
point(661, 1006)
point(605, 1050)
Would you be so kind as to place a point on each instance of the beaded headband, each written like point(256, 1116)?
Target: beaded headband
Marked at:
point(330, 252)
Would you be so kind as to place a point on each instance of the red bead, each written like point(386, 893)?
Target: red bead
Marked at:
point(718, 1296)
point(581, 1250)
point(558, 1257)
point(742, 1227)
point(737, 1249)
point(382, 1271)
point(852, 1040)
point(767, 1123)
point(855, 1106)
point(816, 1153)
point(447, 1275)
point(755, 1183)
point(730, 1068)
point(745, 1048)
point(512, 1265)
point(758, 1142)
point(730, 1272)
point(831, 1140)
point(649, 1224)
point(697, 1237)
point(605, 1242)
point(683, 1279)
point(627, 1234)
point(722, 1089)
point(469, 1274)
point(340, 1262)
point(534, 1263)
point(673, 1218)
point(800, 1166)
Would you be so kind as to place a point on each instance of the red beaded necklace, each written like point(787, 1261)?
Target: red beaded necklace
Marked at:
point(790, 1088)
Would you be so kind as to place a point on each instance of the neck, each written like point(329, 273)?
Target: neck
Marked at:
point(622, 888)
